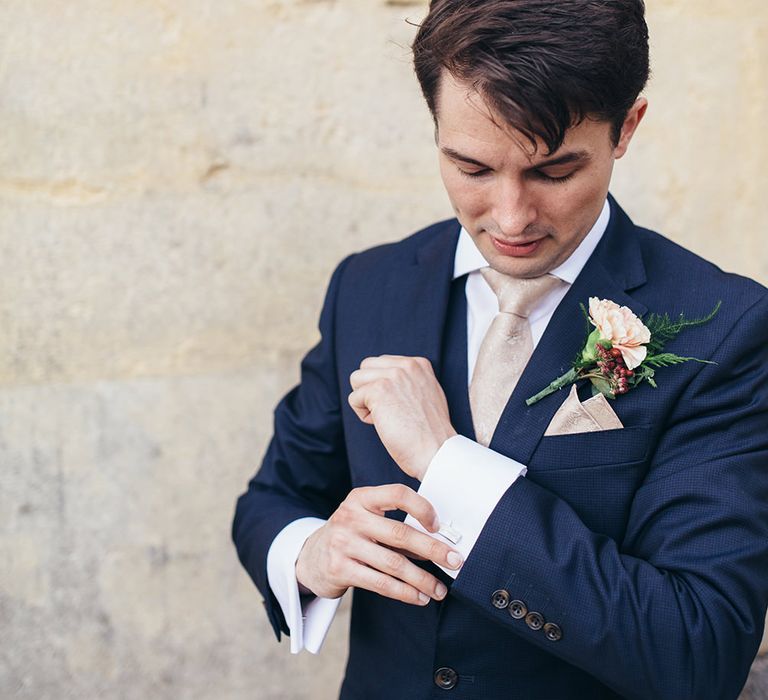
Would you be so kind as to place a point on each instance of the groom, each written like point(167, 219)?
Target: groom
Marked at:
point(577, 547)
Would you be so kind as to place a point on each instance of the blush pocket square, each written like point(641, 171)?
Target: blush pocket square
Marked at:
point(576, 417)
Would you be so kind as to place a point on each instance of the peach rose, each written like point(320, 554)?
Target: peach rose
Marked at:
point(622, 328)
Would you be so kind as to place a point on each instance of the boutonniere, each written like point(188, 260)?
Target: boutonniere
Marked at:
point(623, 351)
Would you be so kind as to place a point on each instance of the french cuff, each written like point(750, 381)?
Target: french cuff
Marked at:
point(464, 482)
point(309, 623)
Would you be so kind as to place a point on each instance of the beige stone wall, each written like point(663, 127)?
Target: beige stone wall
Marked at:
point(177, 181)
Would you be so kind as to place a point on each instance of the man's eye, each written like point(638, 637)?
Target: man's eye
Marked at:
point(540, 175)
point(473, 173)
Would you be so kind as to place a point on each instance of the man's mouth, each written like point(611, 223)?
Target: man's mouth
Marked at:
point(516, 250)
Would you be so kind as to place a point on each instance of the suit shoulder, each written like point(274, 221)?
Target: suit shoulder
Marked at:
point(686, 275)
point(381, 259)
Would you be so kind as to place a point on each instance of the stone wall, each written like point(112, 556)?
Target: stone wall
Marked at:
point(177, 181)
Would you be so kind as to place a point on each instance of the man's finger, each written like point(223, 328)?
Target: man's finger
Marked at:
point(362, 576)
point(380, 499)
point(388, 361)
point(399, 535)
point(358, 401)
point(361, 377)
point(410, 555)
point(397, 566)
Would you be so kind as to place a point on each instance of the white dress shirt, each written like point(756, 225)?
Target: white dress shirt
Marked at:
point(463, 498)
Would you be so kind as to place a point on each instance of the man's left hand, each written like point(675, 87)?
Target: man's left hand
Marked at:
point(401, 398)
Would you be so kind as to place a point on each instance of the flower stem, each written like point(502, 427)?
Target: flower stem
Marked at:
point(569, 377)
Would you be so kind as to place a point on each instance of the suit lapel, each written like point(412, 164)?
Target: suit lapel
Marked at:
point(615, 267)
point(416, 297)
point(453, 376)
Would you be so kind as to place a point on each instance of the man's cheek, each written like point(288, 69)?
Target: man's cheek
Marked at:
point(469, 207)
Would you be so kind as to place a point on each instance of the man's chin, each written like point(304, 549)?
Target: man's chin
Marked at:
point(522, 268)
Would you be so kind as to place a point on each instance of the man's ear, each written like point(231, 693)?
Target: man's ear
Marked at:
point(628, 128)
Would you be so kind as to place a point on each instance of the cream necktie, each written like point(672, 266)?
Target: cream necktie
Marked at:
point(506, 348)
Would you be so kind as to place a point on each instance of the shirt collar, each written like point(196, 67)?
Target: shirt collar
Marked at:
point(469, 259)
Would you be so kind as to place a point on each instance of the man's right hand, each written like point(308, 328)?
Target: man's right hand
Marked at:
point(360, 547)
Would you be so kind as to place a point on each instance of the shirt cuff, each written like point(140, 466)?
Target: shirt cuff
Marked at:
point(308, 624)
point(464, 482)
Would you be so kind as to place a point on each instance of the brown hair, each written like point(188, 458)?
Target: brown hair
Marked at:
point(543, 65)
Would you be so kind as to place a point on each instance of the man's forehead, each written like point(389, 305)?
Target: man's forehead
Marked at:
point(462, 142)
point(466, 121)
point(456, 99)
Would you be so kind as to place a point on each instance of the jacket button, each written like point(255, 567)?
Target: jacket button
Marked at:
point(446, 678)
point(517, 609)
point(553, 632)
point(534, 620)
point(500, 599)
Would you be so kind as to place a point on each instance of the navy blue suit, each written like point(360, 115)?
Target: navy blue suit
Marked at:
point(647, 546)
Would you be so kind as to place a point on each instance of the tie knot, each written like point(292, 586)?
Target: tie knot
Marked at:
point(518, 295)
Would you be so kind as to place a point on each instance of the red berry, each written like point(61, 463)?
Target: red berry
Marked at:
point(616, 352)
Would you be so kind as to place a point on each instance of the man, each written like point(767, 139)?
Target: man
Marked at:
point(538, 559)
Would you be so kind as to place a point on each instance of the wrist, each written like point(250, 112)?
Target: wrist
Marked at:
point(433, 449)
point(303, 590)
point(298, 570)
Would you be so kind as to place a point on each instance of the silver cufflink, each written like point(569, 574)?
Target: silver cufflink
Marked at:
point(447, 530)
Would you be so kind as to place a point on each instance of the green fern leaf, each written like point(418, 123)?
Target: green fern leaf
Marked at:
point(663, 329)
point(668, 359)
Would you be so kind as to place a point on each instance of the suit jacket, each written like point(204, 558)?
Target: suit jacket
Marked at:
point(647, 546)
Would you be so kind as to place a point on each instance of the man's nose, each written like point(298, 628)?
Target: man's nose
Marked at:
point(513, 209)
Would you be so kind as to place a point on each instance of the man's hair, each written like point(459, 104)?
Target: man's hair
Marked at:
point(542, 65)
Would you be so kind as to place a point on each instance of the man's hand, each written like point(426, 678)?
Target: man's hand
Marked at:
point(402, 399)
point(360, 547)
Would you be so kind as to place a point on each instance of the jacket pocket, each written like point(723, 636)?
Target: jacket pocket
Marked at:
point(600, 448)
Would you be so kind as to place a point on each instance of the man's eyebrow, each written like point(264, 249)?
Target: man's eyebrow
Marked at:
point(565, 159)
point(455, 155)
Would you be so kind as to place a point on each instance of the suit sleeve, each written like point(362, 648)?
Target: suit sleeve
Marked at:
point(305, 471)
point(676, 609)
